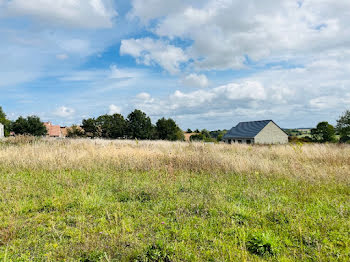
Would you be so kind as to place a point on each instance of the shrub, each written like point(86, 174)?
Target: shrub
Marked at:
point(75, 131)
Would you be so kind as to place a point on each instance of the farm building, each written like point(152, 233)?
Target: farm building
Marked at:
point(1, 130)
point(256, 132)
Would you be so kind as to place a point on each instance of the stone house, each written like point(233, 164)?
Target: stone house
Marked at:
point(2, 131)
point(256, 132)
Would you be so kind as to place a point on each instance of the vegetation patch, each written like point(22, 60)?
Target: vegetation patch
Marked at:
point(262, 245)
point(97, 200)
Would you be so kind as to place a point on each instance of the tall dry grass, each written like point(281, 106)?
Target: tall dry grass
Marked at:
point(309, 161)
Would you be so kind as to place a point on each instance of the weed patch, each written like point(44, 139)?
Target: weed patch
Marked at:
point(262, 245)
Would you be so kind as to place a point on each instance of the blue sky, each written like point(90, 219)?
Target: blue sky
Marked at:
point(205, 63)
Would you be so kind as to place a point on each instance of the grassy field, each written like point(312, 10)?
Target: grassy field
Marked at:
point(94, 200)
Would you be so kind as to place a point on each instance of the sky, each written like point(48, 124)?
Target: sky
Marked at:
point(205, 63)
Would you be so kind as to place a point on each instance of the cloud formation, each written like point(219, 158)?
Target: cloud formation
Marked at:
point(113, 109)
point(89, 14)
point(195, 80)
point(154, 52)
point(226, 32)
point(64, 111)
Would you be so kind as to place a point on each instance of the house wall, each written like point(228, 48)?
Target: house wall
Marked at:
point(271, 134)
point(1, 130)
point(239, 141)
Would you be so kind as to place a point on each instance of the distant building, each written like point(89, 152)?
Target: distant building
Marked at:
point(53, 130)
point(256, 132)
point(2, 131)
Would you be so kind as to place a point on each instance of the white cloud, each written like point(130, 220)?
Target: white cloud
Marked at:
point(150, 52)
point(147, 10)
point(195, 80)
point(144, 96)
point(222, 98)
point(64, 112)
point(113, 109)
point(112, 74)
point(224, 32)
point(246, 90)
point(71, 13)
point(329, 102)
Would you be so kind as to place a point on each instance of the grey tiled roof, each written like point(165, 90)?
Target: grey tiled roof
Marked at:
point(247, 129)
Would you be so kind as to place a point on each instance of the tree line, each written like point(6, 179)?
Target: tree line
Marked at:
point(136, 126)
point(207, 136)
point(327, 133)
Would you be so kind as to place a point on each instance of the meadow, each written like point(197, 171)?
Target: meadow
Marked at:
point(99, 200)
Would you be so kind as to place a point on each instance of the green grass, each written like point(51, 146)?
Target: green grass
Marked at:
point(171, 216)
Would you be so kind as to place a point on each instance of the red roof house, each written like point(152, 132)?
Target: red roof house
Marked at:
point(53, 130)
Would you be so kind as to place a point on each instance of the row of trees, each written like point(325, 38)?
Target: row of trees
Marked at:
point(208, 136)
point(325, 132)
point(136, 126)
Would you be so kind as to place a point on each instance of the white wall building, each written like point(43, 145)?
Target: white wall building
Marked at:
point(256, 132)
point(2, 130)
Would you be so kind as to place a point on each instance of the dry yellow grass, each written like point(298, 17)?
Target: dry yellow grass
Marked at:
point(309, 161)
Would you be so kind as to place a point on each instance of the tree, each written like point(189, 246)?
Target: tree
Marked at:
point(218, 134)
point(324, 132)
point(197, 137)
point(139, 125)
point(343, 126)
point(29, 126)
point(90, 128)
point(112, 126)
point(5, 122)
point(204, 135)
point(75, 131)
point(189, 131)
point(167, 129)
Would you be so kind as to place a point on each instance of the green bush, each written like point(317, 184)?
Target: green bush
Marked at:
point(261, 245)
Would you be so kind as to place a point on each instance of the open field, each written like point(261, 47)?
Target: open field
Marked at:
point(94, 200)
